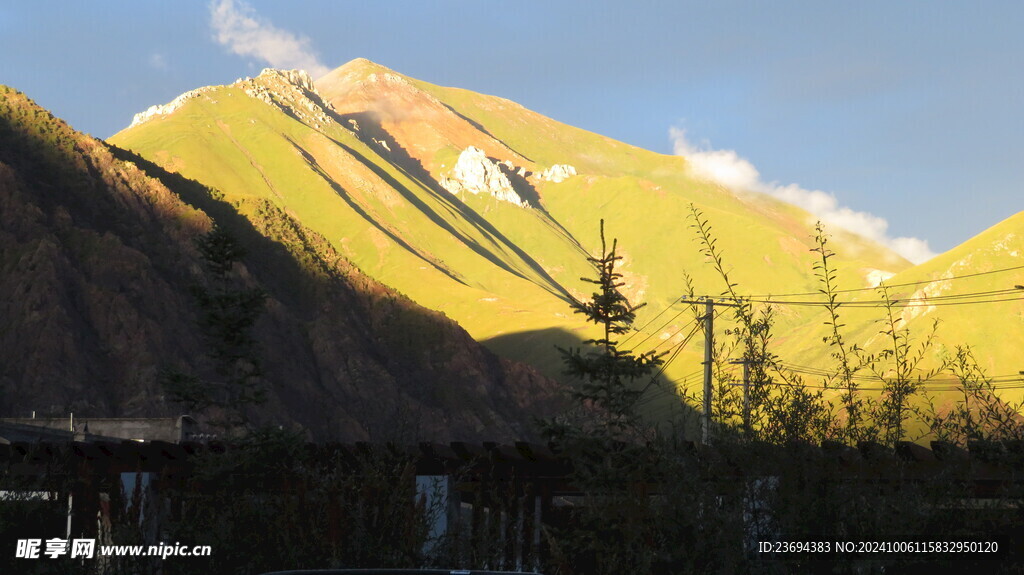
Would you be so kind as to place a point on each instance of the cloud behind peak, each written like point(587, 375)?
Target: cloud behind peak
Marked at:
point(727, 168)
point(236, 25)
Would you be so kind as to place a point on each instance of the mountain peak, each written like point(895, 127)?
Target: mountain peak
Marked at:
point(363, 66)
point(357, 73)
point(390, 106)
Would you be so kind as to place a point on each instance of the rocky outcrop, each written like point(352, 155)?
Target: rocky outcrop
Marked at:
point(299, 78)
point(558, 173)
point(164, 109)
point(292, 91)
point(875, 277)
point(475, 173)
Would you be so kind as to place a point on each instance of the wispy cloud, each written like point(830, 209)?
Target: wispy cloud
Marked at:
point(237, 26)
point(157, 61)
point(727, 168)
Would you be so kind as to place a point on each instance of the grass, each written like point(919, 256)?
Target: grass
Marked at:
point(500, 270)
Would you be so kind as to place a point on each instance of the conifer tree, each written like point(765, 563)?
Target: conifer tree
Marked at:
point(227, 312)
point(607, 373)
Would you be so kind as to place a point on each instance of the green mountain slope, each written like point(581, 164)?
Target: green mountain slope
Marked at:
point(367, 158)
point(973, 292)
point(98, 264)
point(992, 323)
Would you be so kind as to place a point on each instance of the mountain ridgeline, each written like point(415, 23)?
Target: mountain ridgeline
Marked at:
point(469, 205)
point(99, 263)
point(477, 207)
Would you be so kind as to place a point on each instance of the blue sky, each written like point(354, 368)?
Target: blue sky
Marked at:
point(910, 112)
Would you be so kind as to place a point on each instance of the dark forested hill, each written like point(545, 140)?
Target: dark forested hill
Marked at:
point(98, 261)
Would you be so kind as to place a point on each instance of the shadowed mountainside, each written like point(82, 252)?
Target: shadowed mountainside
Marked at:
point(98, 257)
point(477, 207)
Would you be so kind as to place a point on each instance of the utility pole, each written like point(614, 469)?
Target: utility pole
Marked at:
point(709, 346)
point(709, 343)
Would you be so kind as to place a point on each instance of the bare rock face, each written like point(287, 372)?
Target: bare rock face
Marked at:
point(164, 109)
point(558, 173)
point(476, 173)
point(298, 77)
point(292, 91)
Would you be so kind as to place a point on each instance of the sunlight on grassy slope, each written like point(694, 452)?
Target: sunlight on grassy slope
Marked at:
point(504, 272)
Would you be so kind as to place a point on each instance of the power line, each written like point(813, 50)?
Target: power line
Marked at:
point(969, 294)
point(649, 322)
point(933, 384)
point(925, 300)
point(659, 314)
point(810, 370)
point(766, 298)
point(663, 391)
point(920, 302)
point(697, 326)
point(663, 326)
point(907, 284)
point(708, 321)
point(924, 388)
point(674, 355)
point(948, 385)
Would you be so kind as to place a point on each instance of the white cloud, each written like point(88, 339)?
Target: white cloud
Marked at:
point(237, 26)
point(727, 168)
